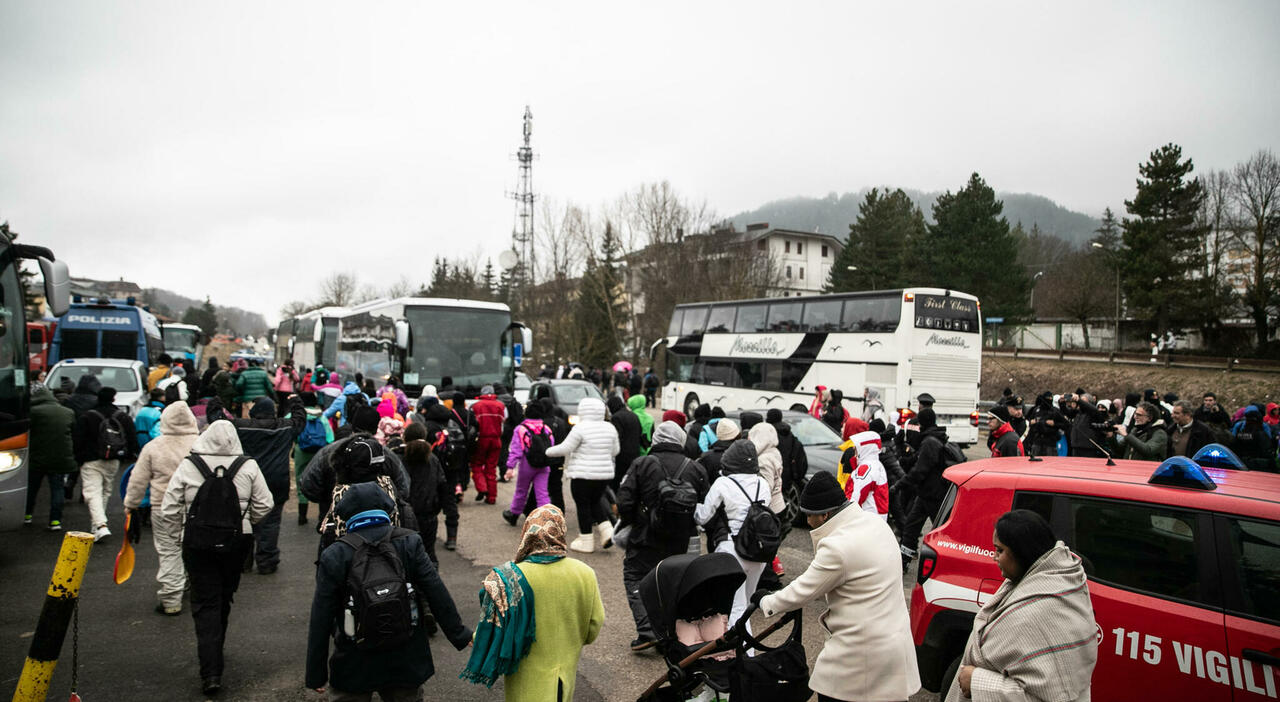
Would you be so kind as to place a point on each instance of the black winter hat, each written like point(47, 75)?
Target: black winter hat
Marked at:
point(107, 394)
point(702, 413)
point(365, 419)
point(773, 416)
point(749, 419)
point(717, 413)
point(740, 457)
point(533, 411)
point(1000, 412)
point(822, 494)
point(927, 418)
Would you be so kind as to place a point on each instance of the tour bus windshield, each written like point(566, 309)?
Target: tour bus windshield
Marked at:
point(180, 340)
point(464, 344)
point(13, 356)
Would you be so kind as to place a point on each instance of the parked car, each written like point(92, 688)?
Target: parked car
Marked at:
point(521, 389)
point(127, 376)
point(1183, 565)
point(565, 394)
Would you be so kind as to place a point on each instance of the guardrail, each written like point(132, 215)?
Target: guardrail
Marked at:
point(1166, 360)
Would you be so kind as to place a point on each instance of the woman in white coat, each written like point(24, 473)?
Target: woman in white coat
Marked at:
point(739, 484)
point(588, 451)
point(857, 568)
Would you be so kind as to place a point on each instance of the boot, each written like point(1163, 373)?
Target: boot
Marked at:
point(583, 544)
point(302, 513)
point(604, 534)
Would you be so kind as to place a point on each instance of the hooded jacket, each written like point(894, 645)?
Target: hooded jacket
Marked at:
point(219, 447)
point(866, 483)
point(353, 670)
point(737, 487)
point(268, 439)
point(85, 396)
point(489, 415)
point(252, 383)
point(318, 480)
point(591, 445)
point(160, 457)
point(795, 462)
point(51, 449)
point(874, 408)
point(521, 438)
point(638, 493)
point(1006, 442)
point(339, 403)
point(630, 435)
point(402, 400)
point(857, 570)
point(86, 436)
point(765, 439)
point(286, 379)
point(636, 403)
point(932, 458)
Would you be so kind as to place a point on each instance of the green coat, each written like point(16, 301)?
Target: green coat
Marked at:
point(636, 404)
point(253, 383)
point(50, 448)
point(568, 615)
point(1153, 448)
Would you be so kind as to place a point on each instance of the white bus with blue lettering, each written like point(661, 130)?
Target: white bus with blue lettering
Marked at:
point(774, 352)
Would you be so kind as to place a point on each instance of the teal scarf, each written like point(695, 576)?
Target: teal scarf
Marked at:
point(507, 628)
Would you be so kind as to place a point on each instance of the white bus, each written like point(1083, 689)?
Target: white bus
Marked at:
point(774, 352)
point(310, 339)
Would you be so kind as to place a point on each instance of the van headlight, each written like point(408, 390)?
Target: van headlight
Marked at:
point(573, 419)
point(10, 460)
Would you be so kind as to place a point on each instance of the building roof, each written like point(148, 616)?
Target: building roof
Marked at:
point(754, 234)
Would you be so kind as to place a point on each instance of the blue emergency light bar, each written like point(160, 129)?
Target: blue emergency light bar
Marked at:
point(1180, 471)
point(1218, 456)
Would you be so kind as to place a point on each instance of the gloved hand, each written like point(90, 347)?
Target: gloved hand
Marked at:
point(758, 595)
point(134, 533)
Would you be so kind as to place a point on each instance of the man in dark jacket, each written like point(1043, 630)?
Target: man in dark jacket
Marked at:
point(795, 462)
point(452, 453)
point(693, 429)
point(97, 470)
point(925, 481)
point(638, 500)
point(629, 437)
point(1187, 435)
point(320, 477)
point(1083, 435)
point(1046, 423)
point(1004, 440)
point(51, 455)
point(1252, 442)
point(395, 674)
point(269, 440)
point(85, 396)
point(1214, 416)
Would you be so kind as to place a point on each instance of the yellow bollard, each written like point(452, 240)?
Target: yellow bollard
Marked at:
point(51, 630)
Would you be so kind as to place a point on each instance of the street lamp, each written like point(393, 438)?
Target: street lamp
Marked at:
point(1034, 278)
point(1115, 257)
point(851, 268)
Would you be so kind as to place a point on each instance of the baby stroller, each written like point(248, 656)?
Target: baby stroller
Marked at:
point(688, 599)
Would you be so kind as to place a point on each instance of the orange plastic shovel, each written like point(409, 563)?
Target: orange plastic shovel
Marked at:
point(124, 559)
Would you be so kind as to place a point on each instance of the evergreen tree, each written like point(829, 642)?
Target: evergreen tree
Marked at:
point(600, 313)
point(1162, 241)
point(1108, 235)
point(877, 241)
point(205, 316)
point(970, 248)
point(488, 282)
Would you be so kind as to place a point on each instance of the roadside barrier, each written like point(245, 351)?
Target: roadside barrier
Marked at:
point(59, 606)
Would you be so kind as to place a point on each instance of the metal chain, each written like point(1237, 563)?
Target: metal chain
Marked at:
point(75, 647)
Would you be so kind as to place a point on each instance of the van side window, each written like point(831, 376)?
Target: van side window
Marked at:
point(1255, 548)
point(1039, 502)
point(1137, 546)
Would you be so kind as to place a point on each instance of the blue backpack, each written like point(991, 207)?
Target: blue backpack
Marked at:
point(313, 436)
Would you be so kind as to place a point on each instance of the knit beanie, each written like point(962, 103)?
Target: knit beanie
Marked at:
point(773, 416)
point(927, 419)
point(1000, 412)
point(675, 416)
point(727, 430)
point(749, 419)
point(821, 494)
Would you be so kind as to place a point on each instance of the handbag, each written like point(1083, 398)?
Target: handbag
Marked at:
point(775, 673)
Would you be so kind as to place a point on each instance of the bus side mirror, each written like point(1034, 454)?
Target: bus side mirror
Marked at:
point(402, 335)
point(653, 348)
point(526, 340)
point(57, 285)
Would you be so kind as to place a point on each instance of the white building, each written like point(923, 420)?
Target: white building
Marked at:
point(804, 259)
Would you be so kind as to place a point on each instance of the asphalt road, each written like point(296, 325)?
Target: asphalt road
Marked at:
point(126, 651)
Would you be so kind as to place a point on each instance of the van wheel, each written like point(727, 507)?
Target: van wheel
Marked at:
point(691, 403)
point(949, 676)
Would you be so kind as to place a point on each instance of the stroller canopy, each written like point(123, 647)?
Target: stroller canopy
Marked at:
point(689, 587)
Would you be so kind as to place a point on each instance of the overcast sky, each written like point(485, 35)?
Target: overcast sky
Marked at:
point(245, 150)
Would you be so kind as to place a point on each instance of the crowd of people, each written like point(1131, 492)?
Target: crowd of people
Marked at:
point(216, 456)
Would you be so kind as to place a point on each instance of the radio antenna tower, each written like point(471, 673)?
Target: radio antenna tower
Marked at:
point(522, 234)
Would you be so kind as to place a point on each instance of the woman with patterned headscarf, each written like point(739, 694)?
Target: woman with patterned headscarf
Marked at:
point(537, 612)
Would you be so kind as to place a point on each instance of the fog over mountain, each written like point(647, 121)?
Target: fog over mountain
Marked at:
point(833, 214)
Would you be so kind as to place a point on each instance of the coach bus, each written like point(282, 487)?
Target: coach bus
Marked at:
point(183, 341)
point(107, 329)
point(443, 341)
point(310, 339)
point(15, 388)
point(775, 352)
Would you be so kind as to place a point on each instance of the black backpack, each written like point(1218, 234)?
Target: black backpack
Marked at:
point(677, 500)
point(455, 446)
point(761, 534)
point(214, 521)
point(380, 598)
point(111, 439)
point(536, 452)
point(952, 455)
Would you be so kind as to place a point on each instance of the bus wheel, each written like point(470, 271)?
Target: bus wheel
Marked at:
point(797, 407)
point(691, 403)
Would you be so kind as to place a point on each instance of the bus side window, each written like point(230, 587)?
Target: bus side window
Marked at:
point(750, 319)
point(823, 316)
point(784, 317)
point(721, 319)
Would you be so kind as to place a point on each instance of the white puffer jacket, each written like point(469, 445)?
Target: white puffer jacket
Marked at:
point(589, 448)
point(765, 438)
point(219, 446)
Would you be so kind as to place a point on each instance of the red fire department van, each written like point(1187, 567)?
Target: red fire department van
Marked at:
point(1184, 577)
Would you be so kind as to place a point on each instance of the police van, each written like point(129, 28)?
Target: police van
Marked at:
point(107, 329)
point(1183, 568)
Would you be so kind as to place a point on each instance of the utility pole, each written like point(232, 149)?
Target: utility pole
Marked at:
point(522, 234)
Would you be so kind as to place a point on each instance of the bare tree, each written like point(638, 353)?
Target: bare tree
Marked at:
point(295, 308)
point(1256, 191)
point(1080, 289)
point(401, 288)
point(339, 289)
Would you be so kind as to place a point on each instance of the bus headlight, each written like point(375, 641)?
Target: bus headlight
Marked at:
point(10, 460)
point(573, 419)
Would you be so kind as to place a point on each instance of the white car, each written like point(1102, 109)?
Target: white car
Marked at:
point(521, 390)
point(128, 377)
